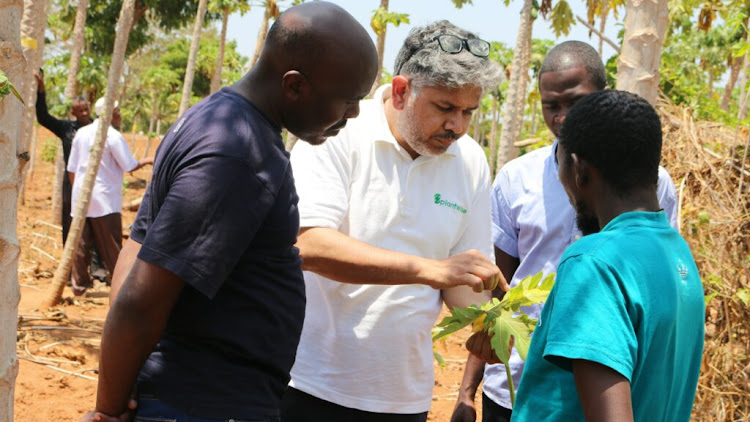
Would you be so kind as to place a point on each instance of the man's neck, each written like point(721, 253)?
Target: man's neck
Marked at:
point(260, 91)
point(610, 204)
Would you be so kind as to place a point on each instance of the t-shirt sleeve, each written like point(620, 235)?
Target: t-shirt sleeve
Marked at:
point(476, 236)
point(322, 177)
point(667, 196)
point(74, 155)
point(206, 221)
point(504, 233)
point(120, 151)
point(589, 319)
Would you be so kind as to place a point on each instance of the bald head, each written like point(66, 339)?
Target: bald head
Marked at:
point(571, 54)
point(313, 34)
point(317, 63)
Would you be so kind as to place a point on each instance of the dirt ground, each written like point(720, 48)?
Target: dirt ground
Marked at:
point(58, 348)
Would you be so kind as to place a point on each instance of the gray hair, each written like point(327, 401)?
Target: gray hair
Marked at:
point(425, 64)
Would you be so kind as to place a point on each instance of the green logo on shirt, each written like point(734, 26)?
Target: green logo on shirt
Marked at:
point(443, 202)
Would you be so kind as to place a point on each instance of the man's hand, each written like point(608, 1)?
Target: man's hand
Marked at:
point(479, 345)
point(127, 416)
point(465, 411)
point(469, 268)
point(39, 76)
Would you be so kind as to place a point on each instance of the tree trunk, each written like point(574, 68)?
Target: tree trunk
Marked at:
point(33, 24)
point(263, 31)
point(514, 102)
point(79, 28)
point(60, 174)
point(187, 86)
point(733, 73)
point(743, 86)
point(216, 78)
point(533, 117)
point(381, 51)
point(603, 25)
point(13, 65)
point(81, 207)
point(493, 135)
point(638, 64)
point(478, 125)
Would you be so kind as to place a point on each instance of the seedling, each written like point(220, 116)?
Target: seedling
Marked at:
point(7, 87)
point(505, 322)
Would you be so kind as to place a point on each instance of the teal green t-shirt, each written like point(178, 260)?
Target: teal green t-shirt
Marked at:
point(629, 298)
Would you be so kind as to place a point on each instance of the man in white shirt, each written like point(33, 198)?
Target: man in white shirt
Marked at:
point(394, 217)
point(532, 219)
point(103, 226)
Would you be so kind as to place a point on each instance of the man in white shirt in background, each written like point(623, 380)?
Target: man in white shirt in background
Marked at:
point(532, 219)
point(103, 225)
point(394, 216)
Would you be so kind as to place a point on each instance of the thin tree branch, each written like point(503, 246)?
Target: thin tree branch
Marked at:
point(597, 32)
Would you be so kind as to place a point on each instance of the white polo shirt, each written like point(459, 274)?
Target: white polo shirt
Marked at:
point(368, 347)
point(532, 219)
point(106, 198)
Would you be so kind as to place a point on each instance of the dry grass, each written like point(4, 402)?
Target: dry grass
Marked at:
point(709, 164)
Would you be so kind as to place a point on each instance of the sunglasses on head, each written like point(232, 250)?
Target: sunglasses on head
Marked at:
point(454, 44)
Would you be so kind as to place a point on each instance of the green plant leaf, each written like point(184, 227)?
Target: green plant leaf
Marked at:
point(503, 319)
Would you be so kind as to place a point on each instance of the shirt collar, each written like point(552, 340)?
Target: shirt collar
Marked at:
point(384, 134)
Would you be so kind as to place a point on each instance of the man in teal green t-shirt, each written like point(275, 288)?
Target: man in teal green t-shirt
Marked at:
point(621, 335)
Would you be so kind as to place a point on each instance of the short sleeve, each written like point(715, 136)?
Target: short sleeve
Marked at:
point(667, 196)
point(504, 233)
point(74, 155)
point(120, 151)
point(322, 175)
point(209, 215)
point(476, 236)
point(589, 319)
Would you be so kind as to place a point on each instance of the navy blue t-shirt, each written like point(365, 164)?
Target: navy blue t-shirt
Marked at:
point(221, 213)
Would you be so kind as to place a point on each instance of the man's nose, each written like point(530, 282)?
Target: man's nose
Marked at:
point(352, 111)
point(457, 122)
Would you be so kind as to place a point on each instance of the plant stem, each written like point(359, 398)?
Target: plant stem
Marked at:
point(510, 385)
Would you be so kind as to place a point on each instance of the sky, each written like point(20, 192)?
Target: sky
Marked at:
point(490, 19)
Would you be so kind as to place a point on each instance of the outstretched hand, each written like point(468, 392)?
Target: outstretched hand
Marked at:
point(479, 345)
point(39, 76)
point(469, 268)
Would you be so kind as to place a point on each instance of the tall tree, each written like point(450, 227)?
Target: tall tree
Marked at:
point(71, 88)
point(271, 11)
point(187, 86)
point(381, 17)
point(124, 23)
point(225, 7)
point(75, 53)
point(516, 96)
point(12, 66)
point(640, 56)
point(33, 23)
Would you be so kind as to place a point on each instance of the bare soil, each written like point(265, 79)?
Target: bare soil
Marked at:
point(59, 348)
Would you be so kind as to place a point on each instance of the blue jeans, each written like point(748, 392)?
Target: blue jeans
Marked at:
point(151, 409)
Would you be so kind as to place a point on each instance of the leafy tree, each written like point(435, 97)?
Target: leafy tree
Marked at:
point(381, 17)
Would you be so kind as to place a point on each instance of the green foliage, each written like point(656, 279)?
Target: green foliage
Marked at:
point(382, 17)
point(49, 150)
point(503, 319)
point(6, 87)
point(102, 15)
point(561, 18)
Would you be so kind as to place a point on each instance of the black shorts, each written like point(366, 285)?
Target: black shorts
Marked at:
point(298, 406)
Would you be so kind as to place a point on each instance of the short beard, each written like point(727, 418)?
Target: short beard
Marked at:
point(587, 222)
point(413, 135)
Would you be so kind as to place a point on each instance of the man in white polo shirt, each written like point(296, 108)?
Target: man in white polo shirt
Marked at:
point(394, 217)
point(103, 225)
point(532, 219)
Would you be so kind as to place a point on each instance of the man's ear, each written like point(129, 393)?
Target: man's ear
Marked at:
point(400, 90)
point(294, 85)
point(581, 171)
